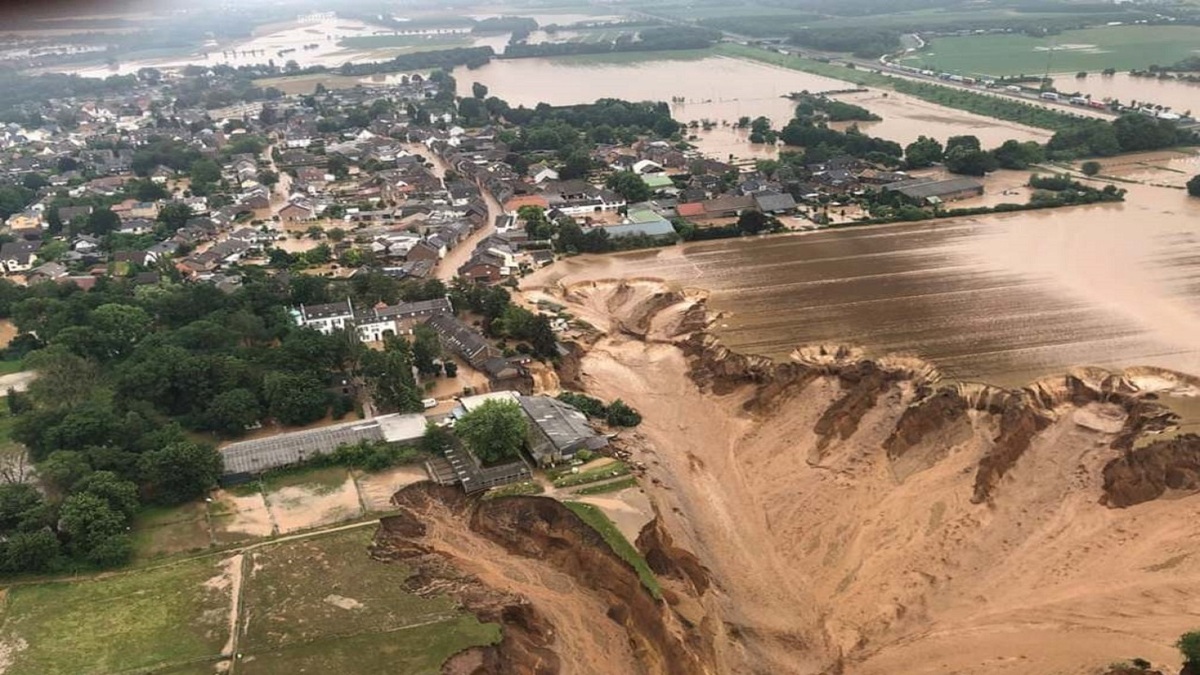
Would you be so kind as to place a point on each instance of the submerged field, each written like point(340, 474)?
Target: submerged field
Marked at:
point(1093, 49)
point(316, 605)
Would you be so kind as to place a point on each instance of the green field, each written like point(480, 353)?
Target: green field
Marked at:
point(314, 605)
point(1093, 49)
point(167, 616)
point(302, 595)
point(413, 43)
point(617, 541)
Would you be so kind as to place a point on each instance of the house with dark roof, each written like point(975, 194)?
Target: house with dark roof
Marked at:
point(557, 430)
point(462, 340)
point(774, 202)
point(19, 256)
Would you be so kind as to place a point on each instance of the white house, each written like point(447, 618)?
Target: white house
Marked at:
point(326, 318)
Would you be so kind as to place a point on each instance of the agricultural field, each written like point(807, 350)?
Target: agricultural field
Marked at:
point(176, 615)
point(1093, 49)
point(322, 605)
point(316, 605)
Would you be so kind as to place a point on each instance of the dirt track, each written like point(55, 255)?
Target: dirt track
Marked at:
point(847, 559)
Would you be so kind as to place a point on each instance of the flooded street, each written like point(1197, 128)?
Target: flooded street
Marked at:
point(1002, 299)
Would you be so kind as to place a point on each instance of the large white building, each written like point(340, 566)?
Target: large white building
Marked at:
point(373, 324)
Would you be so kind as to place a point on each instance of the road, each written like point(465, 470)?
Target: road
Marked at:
point(447, 268)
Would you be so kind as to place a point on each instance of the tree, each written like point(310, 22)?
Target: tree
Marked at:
point(231, 412)
point(923, 152)
point(620, 415)
point(174, 215)
point(479, 91)
point(753, 222)
point(180, 472)
point(121, 495)
point(102, 222)
point(542, 338)
point(495, 431)
point(204, 171)
point(1090, 168)
point(426, 348)
point(1017, 155)
point(390, 378)
point(95, 532)
point(1189, 647)
point(295, 399)
point(968, 142)
point(268, 178)
point(30, 551)
point(969, 161)
point(629, 185)
point(22, 508)
point(118, 328)
point(63, 469)
point(1193, 186)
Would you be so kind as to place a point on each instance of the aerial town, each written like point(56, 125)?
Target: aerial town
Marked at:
point(600, 336)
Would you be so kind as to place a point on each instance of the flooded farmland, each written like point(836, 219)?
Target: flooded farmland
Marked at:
point(1002, 299)
point(723, 89)
point(1179, 96)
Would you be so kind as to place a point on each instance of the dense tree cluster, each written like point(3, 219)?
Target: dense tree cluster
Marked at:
point(124, 373)
point(812, 106)
point(495, 431)
point(506, 320)
point(862, 42)
point(648, 39)
point(617, 413)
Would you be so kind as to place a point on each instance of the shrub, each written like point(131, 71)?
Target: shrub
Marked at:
point(1189, 647)
point(1090, 168)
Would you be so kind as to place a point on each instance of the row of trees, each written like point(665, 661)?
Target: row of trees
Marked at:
point(649, 39)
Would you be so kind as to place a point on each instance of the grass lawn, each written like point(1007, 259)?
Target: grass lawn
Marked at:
point(312, 589)
point(321, 479)
point(10, 367)
point(615, 486)
point(388, 41)
point(1093, 49)
point(162, 531)
point(610, 470)
point(132, 621)
point(617, 541)
point(416, 650)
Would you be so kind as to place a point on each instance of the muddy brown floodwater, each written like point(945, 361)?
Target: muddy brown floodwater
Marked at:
point(1002, 299)
point(723, 89)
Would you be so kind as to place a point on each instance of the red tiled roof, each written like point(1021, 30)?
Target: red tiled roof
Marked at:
point(691, 209)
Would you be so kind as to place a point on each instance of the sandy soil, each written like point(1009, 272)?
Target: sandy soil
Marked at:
point(629, 509)
point(588, 643)
point(8, 331)
point(303, 507)
point(841, 556)
point(246, 515)
point(376, 489)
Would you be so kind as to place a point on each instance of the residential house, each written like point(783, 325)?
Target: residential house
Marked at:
point(19, 256)
point(50, 271)
point(774, 202)
point(425, 250)
point(384, 321)
point(297, 211)
point(325, 318)
point(461, 339)
point(484, 267)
